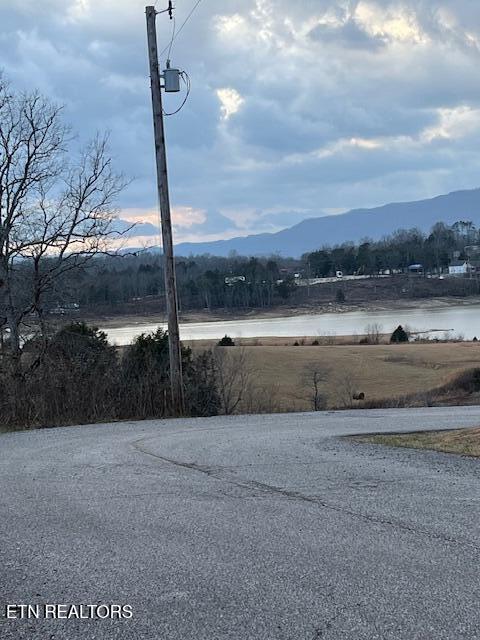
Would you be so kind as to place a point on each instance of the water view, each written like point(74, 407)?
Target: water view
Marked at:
point(462, 320)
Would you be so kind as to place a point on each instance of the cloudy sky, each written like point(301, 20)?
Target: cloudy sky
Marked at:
point(297, 108)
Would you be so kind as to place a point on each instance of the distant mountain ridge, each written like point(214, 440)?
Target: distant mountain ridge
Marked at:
point(313, 233)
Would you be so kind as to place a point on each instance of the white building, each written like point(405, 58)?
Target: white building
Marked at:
point(231, 280)
point(459, 268)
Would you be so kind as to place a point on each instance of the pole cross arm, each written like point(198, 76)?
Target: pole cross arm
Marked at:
point(169, 10)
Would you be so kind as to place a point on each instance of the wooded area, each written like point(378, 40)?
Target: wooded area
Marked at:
point(239, 283)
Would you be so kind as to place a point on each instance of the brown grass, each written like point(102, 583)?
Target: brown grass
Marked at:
point(465, 442)
point(388, 375)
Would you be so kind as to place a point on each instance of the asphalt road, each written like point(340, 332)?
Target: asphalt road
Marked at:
point(245, 528)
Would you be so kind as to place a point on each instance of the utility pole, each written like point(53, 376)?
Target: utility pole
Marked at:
point(176, 377)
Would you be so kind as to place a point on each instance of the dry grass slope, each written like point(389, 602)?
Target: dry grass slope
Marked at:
point(465, 442)
point(387, 375)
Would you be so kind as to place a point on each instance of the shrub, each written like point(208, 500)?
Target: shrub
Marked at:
point(145, 376)
point(201, 386)
point(226, 341)
point(399, 335)
point(71, 377)
point(77, 376)
point(146, 379)
point(82, 348)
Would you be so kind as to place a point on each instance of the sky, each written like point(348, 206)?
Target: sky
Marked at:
point(297, 109)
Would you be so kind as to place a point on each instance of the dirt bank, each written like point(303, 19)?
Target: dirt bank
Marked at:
point(116, 321)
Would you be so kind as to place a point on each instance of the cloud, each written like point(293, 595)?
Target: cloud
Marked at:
point(296, 108)
point(187, 222)
point(396, 23)
point(231, 102)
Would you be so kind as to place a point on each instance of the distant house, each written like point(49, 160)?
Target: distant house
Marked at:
point(459, 268)
point(415, 268)
point(231, 280)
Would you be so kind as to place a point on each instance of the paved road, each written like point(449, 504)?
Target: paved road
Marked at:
point(248, 528)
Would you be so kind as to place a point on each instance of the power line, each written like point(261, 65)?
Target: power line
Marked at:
point(169, 46)
point(173, 38)
point(188, 17)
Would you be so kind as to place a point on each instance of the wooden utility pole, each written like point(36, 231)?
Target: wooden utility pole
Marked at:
point(176, 377)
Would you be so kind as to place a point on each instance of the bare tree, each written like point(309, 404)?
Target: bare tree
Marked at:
point(77, 227)
point(234, 376)
point(314, 377)
point(260, 398)
point(56, 210)
point(374, 333)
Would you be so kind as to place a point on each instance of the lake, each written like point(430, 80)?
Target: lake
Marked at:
point(463, 320)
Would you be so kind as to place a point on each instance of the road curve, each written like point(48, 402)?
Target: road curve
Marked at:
point(243, 528)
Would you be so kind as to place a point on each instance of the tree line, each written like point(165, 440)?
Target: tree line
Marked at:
point(396, 252)
point(235, 282)
point(204, 282)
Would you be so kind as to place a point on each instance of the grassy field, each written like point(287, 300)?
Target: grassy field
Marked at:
point(285, 374)
point(464, 441)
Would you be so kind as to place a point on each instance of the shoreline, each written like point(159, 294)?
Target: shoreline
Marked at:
point(114, 322)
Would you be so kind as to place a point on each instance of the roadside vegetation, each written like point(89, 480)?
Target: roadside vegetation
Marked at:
point(465, 442)
point(76, 376)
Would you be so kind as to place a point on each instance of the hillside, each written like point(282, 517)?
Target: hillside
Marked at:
point(374, 223)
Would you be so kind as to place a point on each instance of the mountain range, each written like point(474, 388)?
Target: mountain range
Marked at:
point(355, 225)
